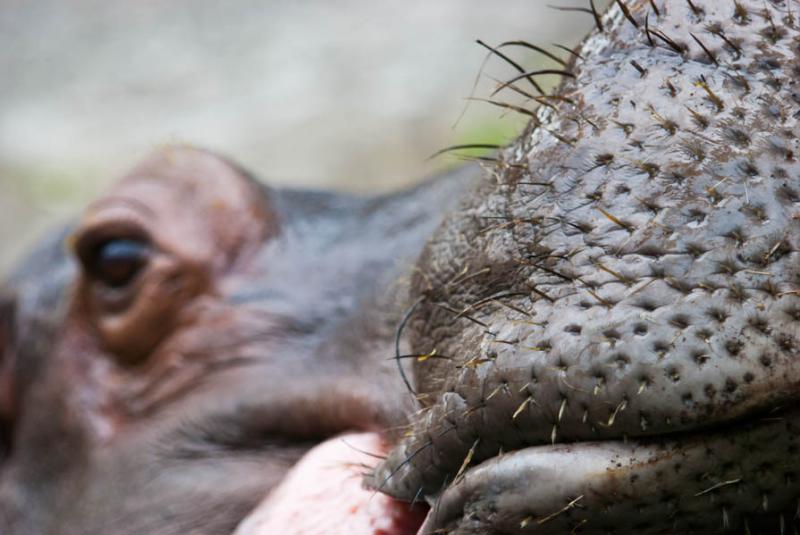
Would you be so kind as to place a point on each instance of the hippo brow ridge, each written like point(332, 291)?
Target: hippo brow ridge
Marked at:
point(631, 272)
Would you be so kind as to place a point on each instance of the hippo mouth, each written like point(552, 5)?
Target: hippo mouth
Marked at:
point(704, 480)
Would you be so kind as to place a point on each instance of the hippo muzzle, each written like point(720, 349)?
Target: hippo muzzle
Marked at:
point(608, 333)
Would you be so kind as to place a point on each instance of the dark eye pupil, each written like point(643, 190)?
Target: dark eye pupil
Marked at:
point(117, 261)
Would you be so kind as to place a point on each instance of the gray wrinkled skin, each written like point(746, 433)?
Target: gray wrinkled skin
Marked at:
point(613, 319)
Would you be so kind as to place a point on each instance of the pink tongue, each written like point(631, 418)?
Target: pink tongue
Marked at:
point(322, 494)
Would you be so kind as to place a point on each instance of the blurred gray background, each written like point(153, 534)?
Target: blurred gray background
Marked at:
point(346, 94)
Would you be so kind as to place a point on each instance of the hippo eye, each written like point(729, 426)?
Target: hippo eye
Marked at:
point(116, 262)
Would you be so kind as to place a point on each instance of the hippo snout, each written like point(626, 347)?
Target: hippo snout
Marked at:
point(613, 324)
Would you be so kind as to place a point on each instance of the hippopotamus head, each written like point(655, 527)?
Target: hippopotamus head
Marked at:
point(605, 331)
point(610, 329)
point(168, 356)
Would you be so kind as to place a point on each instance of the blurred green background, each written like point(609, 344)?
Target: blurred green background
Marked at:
point(351, 95)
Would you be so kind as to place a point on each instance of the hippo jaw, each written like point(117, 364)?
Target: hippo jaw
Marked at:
point(620, 307)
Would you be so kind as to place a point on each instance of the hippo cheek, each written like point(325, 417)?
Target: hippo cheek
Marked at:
point(622, 300)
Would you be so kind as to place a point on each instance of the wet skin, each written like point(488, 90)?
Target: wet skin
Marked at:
point(167, 358)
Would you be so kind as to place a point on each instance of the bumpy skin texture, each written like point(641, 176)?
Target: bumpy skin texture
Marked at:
point(627, 288)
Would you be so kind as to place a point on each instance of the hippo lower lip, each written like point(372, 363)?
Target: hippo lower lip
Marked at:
point(632, 485)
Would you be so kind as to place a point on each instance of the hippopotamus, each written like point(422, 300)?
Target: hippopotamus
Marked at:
point(599, 332)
